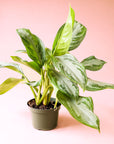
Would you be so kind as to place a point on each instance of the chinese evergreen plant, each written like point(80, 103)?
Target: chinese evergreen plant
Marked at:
point(60, 71)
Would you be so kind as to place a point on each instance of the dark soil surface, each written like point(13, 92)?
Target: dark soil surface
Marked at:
point(32, 104)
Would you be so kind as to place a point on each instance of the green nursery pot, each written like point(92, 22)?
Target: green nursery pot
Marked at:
point(44, 119)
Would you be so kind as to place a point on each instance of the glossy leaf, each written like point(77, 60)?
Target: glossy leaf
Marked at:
point(34, 46)
point(93, 85)
point(11, 66)
point(63, 84)
point(57, 37)
point(80, 110)
point(61, 46)
point(92, 63)
point(78, 34)
point(32, 64)
point(9, 84)
point(70, 67)
point(88, 101)
point(48, 54)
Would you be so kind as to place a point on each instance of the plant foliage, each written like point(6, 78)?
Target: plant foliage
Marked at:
point(60, 71)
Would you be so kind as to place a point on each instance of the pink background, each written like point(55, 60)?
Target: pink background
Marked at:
point(43, 18)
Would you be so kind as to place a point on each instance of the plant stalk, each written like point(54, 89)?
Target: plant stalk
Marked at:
point(30, 87)
point(56, 102)
point(46, 84)
point(39, 92)
point(49, 95)
point(44, 94)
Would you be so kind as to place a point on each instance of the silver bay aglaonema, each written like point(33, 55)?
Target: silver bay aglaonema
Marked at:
point(60, 71)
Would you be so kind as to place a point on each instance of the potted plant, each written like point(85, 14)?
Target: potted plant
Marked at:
point(60, 72)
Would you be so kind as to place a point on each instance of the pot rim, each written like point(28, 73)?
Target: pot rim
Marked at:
point(36, 110)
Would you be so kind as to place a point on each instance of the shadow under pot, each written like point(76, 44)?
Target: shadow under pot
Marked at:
point(44, 117)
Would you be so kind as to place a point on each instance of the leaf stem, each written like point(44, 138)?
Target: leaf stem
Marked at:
point(44, 94)
point(46, 84)
point(33, 92)
point(49, 95)
point(39, 92)
point(56, 103)
point(30, 87)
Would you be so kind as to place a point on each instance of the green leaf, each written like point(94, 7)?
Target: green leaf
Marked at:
point(11, 66)
point(47, 54)
point(92, 63)
point(70, 67)
point(21, 51)
point(57, 37)
point(48, 58)
point(93, 85)
point(78, 34)
point(61, 45)
point(34, 46)
point(9, 84)
point(79, 109)
point(32, 64)
point(63, 84)
point(88, 101)
point(34, 83)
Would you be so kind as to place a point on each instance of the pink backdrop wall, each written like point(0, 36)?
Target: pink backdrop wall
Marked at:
point(43, 18)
